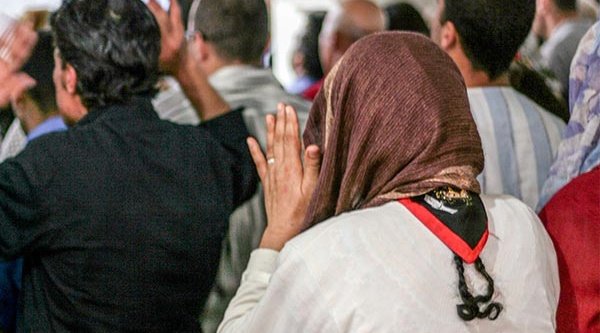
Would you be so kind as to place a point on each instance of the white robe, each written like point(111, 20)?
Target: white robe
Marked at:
point(382, 270)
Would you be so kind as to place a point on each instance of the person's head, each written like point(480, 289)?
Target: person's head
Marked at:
point(42, 97)
point(308, 50)
point(344, 25)
point(396, 127)
point(404, 17)
point(548, 14)
point(106, 53)
point(229, 32)
point(482, 36)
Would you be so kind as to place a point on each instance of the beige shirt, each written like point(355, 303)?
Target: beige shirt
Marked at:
point(381, 270)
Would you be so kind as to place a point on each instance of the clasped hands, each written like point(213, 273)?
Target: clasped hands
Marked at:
point(288, 182)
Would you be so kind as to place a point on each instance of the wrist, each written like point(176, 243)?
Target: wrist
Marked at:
point(276, 239)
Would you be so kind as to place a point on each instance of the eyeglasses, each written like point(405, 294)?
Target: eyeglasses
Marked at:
point(190, 34)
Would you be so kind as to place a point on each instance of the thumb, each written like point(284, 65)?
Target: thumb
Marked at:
point(312, 166)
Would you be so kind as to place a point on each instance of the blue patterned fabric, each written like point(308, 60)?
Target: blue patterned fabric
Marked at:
point(579, 151)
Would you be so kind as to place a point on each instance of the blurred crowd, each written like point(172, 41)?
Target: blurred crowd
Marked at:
point(420, 174)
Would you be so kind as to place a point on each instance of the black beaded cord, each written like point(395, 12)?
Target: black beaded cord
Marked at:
point(470, 309)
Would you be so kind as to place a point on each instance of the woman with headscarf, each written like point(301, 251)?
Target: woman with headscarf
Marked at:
point(398, 238)
point(571, 196)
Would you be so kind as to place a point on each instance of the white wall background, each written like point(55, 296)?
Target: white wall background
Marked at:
point(288, 20)
point(16, 8)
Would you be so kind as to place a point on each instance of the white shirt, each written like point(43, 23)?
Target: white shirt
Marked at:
point(519, 139)
point(381, 270)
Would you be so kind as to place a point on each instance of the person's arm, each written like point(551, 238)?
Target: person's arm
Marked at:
point(21, 213)
point(260, 303)
point(278, 293)
point(254, 283)
point(229, 130)
point(177, 59)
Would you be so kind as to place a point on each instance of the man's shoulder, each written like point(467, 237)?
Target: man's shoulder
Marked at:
point(255, 88)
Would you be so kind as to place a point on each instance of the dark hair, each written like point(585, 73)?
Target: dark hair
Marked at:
point(113, 45)
point(239, 29)
point(404, 17)
point(566, 5)
point(40, 67)
point(533, 85)
point(490, 31)
point(309, 44)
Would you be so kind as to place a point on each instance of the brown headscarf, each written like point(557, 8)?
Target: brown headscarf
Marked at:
point(392, 121)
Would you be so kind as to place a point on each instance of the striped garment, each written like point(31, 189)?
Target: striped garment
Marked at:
point(519, 140)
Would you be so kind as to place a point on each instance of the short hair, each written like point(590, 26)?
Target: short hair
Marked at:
point(490, 31)
point(404, 17)
point(39, 67)
point(239, 29)
point(309, 44)
point(566, 5)
point(113, 45)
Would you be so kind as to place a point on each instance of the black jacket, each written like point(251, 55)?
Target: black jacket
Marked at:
point(121, 219)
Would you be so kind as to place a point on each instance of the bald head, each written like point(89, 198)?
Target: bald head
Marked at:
point(346, 24)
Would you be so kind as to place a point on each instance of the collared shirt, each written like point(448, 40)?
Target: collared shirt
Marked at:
point(519, 139)
point(121, 218)
point(382, 270)
point(51, 124)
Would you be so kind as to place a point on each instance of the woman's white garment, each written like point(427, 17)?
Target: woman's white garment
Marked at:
point(382, 270)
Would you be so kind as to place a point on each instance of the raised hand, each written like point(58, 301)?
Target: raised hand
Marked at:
point(288, 183)
point(15, 48)
point(172, 35)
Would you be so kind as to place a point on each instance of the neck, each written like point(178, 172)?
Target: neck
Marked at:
point(476, 78)
point(554, 21)
point(218, 63)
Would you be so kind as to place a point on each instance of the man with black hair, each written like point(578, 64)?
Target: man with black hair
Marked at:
point(519, 138)
point(226, 40)
point(120, 219)
point(559, 24)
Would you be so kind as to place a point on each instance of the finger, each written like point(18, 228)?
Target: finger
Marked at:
point(11, 86)
point(24, 41)
point(312, 166)
point(175, 14)
point(258, 158)
point(20, 83)
point(292, 139)
point(270, 134)
point(278, 143)
point(158, 12)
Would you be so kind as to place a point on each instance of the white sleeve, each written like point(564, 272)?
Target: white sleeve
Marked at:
point(277, 294)
point(255, 281)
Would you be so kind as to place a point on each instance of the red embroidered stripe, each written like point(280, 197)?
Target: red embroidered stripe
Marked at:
point(445, 234)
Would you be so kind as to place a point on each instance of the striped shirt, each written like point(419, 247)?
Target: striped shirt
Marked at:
point(519, 138)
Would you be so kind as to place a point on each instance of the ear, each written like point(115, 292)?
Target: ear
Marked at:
point(70, 79)
point(448, 36)
point(200, 47)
